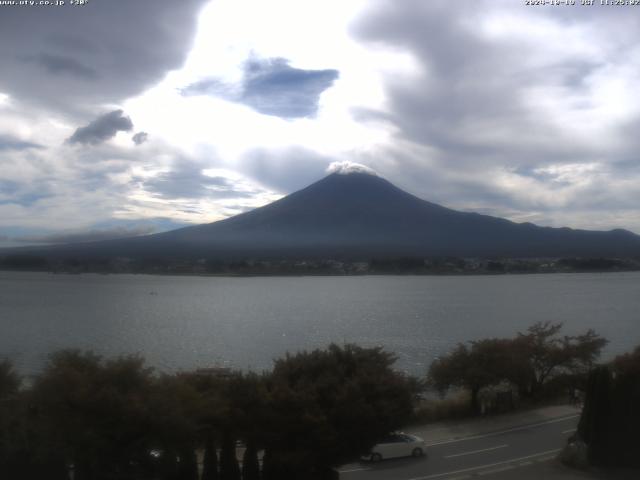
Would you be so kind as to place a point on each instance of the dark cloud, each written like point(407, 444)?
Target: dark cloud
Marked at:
point(62, 65)
point(109, 50)
point(469, 120)
point(88, 235)
point(23, 194)
point(467, 77)
point(186, 180)
point(140, 137)
point(472, 100)
point(272, 87)
point(8, 142)
point(102, 129)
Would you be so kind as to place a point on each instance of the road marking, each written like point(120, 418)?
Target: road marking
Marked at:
point(491, 434)
point(571, 430)
point(476, 451)
point(544, 459)
point(480, 467)
point(354, 470)
point(497, 470)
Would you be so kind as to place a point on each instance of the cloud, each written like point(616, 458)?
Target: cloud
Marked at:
point(102, 129)
point(62, 65)
point(11, 143)
point(480, 126)
point(186, 180)
point(272, 87)
point(25, 195)
point(212, 86)
point(44, 190)
point(140, 137)
point(74, 58)
point(285, 169)
point(457, 102)
point(92, 235)
point(452, 105)
point(346, 167)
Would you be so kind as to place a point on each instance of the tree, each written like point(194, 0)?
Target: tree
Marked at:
point(13, 438)
point(209, 415)
point(528, 361)
point(223, 417)
point(484, 363)
point(9, 380)
point(610, 419)
point(188, 463)
point(250, 463)
point(173, 409)
point(114, 419)
point(229, 468)
point(210, 460)
point(94, 412)
point(331, 406)
point(248, 410)
point(544, 354)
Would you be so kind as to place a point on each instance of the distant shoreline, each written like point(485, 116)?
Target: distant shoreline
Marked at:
point(449, 266)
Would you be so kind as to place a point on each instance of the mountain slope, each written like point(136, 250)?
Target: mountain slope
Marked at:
point(360, 215)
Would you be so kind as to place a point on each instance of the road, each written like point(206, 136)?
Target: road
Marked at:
point(487, 454)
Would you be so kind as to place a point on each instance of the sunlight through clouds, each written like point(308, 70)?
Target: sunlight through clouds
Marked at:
point(482, 105)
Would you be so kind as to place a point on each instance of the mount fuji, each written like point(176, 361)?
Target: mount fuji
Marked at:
point(357, 215)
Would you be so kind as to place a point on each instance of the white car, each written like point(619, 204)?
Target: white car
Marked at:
point(397, 445)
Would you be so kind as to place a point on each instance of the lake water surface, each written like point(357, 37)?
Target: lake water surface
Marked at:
point(186, 322)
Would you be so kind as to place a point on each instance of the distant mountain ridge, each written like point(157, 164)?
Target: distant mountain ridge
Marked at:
point(359, 216)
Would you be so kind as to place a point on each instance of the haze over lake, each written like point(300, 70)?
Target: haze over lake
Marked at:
point(245, 322)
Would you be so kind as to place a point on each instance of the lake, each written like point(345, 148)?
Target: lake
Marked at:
point(180, 323)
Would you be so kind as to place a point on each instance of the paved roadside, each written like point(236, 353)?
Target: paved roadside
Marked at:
point(441, 432)
point(554, 470)
point(521, 445)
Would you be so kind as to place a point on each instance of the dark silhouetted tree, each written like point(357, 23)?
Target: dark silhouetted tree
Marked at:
point(249, 408)
point(528, 361)
point(481, 364)
point(610, 419)
point(15, 459)
point(330, 406)
point(173, 411)
point(9, 380)
point(229, 468)
point(250, 463)
point(188, 464)
point(94, 412)
point(545, 354)
point(210, 460)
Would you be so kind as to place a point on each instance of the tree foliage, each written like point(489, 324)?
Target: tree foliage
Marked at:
point(610, 418)
point(330, 406)
point(210, 459)
point(9, 380)
point(528, 361)
point(481, 364)
point(94, 411)
point(546, 354)
point(116, 419)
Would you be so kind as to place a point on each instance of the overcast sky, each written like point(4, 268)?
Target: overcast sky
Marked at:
point(128, 117)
